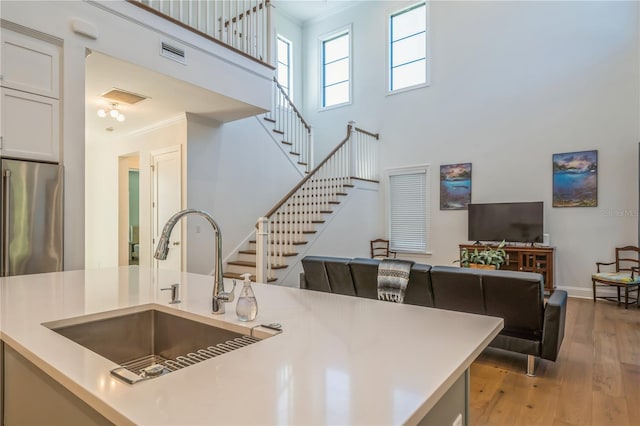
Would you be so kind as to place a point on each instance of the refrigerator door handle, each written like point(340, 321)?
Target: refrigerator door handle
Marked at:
point(6, 181)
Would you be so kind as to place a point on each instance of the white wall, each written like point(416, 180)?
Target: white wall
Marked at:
point(116, 24)
point(292, 31)
point(102, 182)
point(511, 84)
point(236, 172)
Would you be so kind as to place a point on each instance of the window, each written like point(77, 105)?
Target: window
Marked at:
point(336, 69)
point(408, 47)
point(283, 71)
point(408, 200)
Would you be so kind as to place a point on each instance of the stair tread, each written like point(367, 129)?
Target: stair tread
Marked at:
point(235, 276)
point(313, 204)
point(289, 232)
point(305, 195)
point(295, 243)
point(313, 221)
point(287, 143)
point(302, 163)
point(321, 211)
point(272, 254)
point(252, 264)
point(278, 131)
point(270, 120)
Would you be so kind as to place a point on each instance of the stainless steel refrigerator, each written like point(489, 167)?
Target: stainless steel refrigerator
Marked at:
point(32, 227)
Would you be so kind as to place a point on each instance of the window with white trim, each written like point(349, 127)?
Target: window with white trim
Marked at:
point(408, 203)
point(283, 70)
point(336, 68)
point(408, 47)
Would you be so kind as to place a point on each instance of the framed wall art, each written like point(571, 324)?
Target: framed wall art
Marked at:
point(455, 186)
point(575, 179)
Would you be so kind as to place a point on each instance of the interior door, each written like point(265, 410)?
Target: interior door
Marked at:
point(166, 175)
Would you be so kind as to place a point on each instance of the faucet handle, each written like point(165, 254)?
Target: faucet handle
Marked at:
point(228, 296)
point(175, 293)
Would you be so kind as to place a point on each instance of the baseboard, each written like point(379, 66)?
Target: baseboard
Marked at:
point(586, 293)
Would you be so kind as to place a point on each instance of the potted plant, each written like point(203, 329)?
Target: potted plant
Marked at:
point(489, 258)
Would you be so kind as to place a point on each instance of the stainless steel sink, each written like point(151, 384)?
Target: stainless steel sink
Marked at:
point(150, 342)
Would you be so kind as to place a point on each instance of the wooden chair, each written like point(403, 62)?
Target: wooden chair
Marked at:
point(626, 275)
point(380, 249)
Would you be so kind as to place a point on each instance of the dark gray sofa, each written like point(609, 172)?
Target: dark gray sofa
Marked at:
point(531, 326)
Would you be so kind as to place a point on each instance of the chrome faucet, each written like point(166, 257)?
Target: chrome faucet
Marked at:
point(219, 297)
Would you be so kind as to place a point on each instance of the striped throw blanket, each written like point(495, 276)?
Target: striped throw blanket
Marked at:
point(393, 276)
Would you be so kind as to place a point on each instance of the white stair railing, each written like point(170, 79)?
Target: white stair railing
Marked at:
point(244, 25)
point(294, 216)
point(296, 132)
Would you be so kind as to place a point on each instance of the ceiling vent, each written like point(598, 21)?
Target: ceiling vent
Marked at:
point(172, 52)
point(122, 96)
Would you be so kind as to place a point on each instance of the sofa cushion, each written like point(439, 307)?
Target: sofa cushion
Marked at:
point(315, 274)
point(456, 289)
point(419, 290)
point(518, 298)
point(365, 277)
point(339, 276)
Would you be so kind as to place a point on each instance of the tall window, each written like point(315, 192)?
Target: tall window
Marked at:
point(336, 69)
point(408, 199)
point(408, 47)
point(284, 64)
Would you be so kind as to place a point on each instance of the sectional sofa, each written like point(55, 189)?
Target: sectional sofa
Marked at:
point(531, 326)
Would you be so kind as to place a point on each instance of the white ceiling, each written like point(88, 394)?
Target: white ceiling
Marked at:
point(304, 10)
point(168, 97)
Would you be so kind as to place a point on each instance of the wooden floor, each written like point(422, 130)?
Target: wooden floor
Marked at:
point(595, 381)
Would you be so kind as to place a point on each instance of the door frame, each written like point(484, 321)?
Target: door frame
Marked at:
point(152, 193)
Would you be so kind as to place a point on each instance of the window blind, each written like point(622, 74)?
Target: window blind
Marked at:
point(409, 211)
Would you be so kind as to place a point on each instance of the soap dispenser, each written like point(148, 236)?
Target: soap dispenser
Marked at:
point(247, 306)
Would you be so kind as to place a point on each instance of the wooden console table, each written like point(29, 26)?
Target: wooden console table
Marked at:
point(528, 259)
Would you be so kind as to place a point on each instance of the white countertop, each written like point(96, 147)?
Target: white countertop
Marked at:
point(339, 360)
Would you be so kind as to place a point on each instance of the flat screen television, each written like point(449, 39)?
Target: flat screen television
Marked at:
point(512, 222)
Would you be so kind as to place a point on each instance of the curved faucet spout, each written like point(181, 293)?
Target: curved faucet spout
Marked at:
point(219, 296)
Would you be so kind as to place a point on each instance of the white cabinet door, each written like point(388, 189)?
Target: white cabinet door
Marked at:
point(30, 126)
point(29, 64)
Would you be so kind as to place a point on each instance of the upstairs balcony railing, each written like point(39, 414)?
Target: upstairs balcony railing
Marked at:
point(243, 25)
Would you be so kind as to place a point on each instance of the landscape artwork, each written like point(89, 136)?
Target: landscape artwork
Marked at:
point(455, 186)
point(575, 179)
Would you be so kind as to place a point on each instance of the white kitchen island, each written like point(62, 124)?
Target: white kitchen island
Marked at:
point(339, 359)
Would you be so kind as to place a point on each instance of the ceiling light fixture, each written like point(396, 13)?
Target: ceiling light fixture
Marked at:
point(113, 113)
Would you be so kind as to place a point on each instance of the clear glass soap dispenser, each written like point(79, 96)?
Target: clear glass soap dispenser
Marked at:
point(247, 306)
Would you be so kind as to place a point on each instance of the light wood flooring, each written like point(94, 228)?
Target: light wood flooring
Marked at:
point(595, 381)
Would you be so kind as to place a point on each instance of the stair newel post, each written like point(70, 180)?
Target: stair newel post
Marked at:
point(352, 156)
point(288, 234)
point(262, 252)
point(310, 148)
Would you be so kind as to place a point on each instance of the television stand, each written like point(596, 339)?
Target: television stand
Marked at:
point(528, 259)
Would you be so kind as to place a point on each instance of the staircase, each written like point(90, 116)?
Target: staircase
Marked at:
point(293, 134)
point(292, 223)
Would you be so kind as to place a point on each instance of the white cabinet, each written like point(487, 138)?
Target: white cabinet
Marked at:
point(30, 64)
point(30, 126)
point(29, 104)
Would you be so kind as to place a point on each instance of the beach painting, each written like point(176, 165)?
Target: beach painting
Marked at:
point(455, 186)
point(575, 179)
